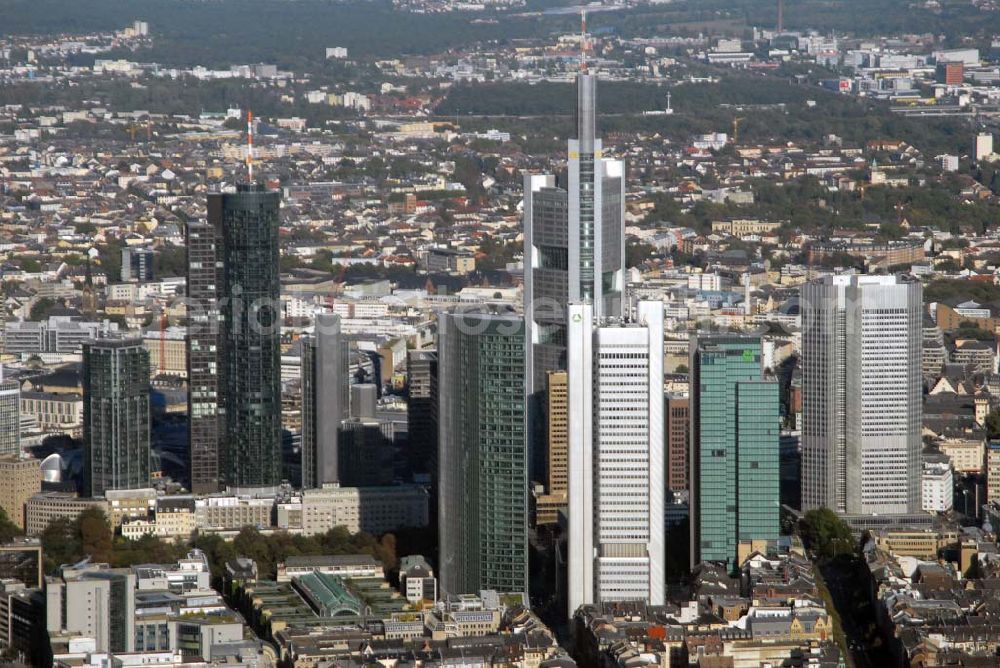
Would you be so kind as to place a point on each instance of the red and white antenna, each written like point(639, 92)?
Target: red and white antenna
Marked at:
point(250, 145)
point(583, 41)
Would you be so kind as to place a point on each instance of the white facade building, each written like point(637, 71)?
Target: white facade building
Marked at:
point(938, 485)
point(983, 147)
point(616, 466)
point(371, 509)
point(862, 394)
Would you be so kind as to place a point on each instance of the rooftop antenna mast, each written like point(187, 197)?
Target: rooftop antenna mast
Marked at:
point(250, 145)
point(583, 41)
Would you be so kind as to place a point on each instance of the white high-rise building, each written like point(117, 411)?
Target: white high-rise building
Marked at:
point(10, 415)
point(616, 465)
point(938, 484)
point(862, 398)
point(983, 146)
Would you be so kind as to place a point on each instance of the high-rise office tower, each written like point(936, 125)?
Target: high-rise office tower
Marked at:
point(246, 228)
point(557, 415)
point(862, 394)
point(421, 410)
point(678, 424)
point(20, 479)
point(616, 490)
point(992, 472)
point(734, 450)
point(95, 601)
point(324, 395)
point(482, 453)
point(10, 415)
point(115, 416)
point(574, 250)
point(549, 505)
point(202, 349)
point(137, 264)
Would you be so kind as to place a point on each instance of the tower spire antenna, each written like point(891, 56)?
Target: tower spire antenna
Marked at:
point(583, 41)
point(250, 145)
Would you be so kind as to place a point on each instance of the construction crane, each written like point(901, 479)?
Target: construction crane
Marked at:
point(736, 129)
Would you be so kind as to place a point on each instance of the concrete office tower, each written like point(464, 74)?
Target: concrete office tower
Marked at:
point(10, 415)
point(734, 450)
point(421, 410)
point(95, 601)
point(202, 349)
point(482, 453)
point(549, 505)
point(861, 394)
point(246, 227)
point(324, 395)
point(574, 250)
point(992, 472)
point(115, 416)
point(20, 479)
point(557, 410)
point(678, 437)
point(616, 467)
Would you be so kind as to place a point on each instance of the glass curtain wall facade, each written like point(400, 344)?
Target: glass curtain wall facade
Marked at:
point(734, 448)
point(483, 467)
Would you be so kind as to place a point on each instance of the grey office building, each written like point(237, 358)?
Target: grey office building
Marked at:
point(483, 468)
point(95, 601)
point(115, 416)
point(324, 397)
point(246, 228)
point(58, 334)
point(574, 250)
point(862, 394)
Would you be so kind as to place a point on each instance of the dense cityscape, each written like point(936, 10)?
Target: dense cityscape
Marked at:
point(480, 334)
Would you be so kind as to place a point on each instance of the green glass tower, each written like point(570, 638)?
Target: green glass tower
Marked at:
point(483, 460)
point(734, 449)
point(246, 231)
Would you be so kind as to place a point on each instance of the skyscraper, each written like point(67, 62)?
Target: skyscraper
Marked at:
point(10, 415)
point(202, 348)
point(862, 398)
point(482, 453)
point(557, 410)
point(549, 504)
point(115, 416)
point(246, 231)
point(574, 250)
point(616, 467)
point(678, 427)
point(324, 395)
point(734, 449)
point(421, 410)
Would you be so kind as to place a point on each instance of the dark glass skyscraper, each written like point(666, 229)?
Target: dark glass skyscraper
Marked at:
point(483, 468)
point(421, 415)
point(246, 231)
point(115, 416)
point(203, 320)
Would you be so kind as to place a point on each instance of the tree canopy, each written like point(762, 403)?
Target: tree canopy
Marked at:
point(827, 535)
